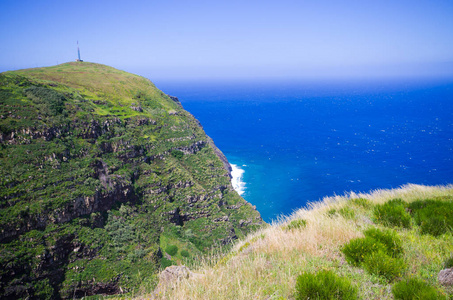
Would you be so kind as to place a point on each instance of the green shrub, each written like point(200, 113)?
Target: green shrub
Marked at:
point(164, 262)
point(357, 249)
point(296, 224)
point(388, 238)
point(171, 249)
point(448, 263)
point(365, 203)
point(433, 216)
point(435, 225)
point(392, 213)
point(413, 288)
point(381, 264)
point(324, 285)
point(185, 253)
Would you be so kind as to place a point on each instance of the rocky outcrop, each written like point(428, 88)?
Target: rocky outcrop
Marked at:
point(176, 100)
point(445, 277)
point(118, 191)
point(173, 274)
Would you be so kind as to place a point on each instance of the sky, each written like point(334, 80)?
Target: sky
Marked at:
point(233, 39)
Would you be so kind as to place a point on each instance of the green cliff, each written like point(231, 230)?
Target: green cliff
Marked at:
point(104, 180)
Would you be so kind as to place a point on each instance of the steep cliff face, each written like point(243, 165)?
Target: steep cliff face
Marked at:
point(100, 171)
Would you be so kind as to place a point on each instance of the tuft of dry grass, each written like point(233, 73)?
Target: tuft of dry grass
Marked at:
point(265, 264)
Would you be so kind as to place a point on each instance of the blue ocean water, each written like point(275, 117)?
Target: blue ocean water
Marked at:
point(300, 141)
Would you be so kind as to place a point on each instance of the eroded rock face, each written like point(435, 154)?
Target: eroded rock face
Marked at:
point(119, 192)
point(445, 277)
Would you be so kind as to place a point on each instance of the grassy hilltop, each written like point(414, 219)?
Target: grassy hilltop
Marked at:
point(359, 246)
point(104, 180)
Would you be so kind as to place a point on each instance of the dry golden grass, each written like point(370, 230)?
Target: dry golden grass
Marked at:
point(266, 264)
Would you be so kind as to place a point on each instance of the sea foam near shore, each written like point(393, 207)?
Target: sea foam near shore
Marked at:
point(237, 175)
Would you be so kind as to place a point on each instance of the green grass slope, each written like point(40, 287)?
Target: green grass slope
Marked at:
point(97, 81)
point(388, 244)
point(100, 172)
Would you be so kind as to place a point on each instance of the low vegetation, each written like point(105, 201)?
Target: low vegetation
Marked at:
point(319, 253)
point(392, 213)
point(378, 253)
point(415, 288)
point(171, 249)
point(434, 216)
point(324, 285)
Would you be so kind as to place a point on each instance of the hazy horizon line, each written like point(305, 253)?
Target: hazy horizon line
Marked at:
point(421, 71)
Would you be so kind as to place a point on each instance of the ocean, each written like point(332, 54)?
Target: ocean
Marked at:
point(294, 142)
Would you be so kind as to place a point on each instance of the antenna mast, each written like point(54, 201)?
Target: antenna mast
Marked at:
point(78, 52)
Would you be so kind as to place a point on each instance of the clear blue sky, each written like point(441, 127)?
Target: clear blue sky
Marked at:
point(196, 39)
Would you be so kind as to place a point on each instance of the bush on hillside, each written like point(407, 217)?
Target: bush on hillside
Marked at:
point(448, 263)
point(171, 249)
point(324, 285)
point(377, 252)
point(381, 264)
point(296, 224)
point(185, 253)
point(357, 249)
point(166, 263)
point(389, 238)
point(413, 288)
point(435, 225)
point(433, 216)
point(392, 213)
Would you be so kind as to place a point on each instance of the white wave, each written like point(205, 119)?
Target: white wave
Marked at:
point(237, 175)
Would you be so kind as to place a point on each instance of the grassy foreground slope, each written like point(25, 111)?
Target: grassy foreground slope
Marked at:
point(266, 264)
point(100, 174)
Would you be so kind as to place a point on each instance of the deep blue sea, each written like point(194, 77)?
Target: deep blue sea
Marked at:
point(298, 141)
